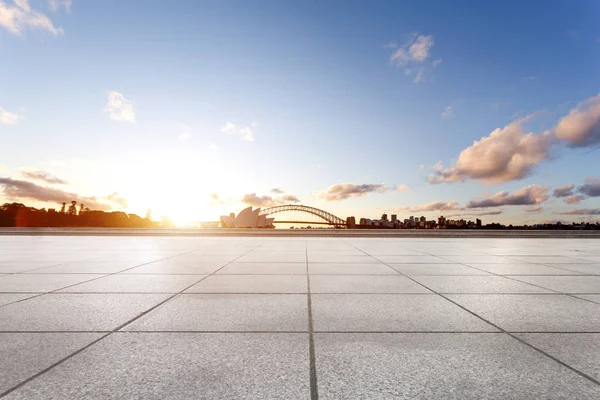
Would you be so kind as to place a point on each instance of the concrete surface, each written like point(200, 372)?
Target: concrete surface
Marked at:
point(115, 315)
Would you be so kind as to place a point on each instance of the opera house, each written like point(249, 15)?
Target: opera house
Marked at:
point(247, 218)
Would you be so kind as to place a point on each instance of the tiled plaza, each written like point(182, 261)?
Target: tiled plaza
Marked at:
point(109, 317)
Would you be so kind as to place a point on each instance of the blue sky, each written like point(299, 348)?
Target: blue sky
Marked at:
point(190, 107)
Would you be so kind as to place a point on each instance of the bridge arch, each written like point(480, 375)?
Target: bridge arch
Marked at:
point(329, 218)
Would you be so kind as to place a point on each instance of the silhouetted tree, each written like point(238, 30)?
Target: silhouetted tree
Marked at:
point(62, 209)
point(72, 208)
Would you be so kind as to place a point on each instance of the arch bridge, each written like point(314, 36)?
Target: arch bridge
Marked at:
point(292, 211)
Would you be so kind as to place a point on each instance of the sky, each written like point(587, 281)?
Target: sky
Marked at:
point(195, 109)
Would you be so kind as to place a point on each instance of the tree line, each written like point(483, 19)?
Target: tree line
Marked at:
point(73, 215)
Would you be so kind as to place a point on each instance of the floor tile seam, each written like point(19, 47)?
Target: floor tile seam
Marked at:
point(303, 332)
point(570, 294)
point(313, 378)
point(549, 265)
point(103, 276)
point(513, 335)
point(31, 378)
point(516, 280)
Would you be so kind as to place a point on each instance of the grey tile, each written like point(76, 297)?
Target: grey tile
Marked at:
point(13, 267)
point(580, 351)
point(278, 257)
point(122, 283)
point(326, 257)
point(228, 312)
point(591, 297)
point(424, 259)
point(26, 354)
point(251, 284)
point(476, 284)
point(88, 267)
point(539, 259)
point(349, 269)
point(436, 269)
point(30, 283)
point(589, 269)
point(479, 259)
point(75, 312)
point(565, 284)
point(440, 366)
point(391, 312)
point(534, 313)
point(264, 269)
point(364, 284)
point(518, 268)
point(181, 366)
point(179, 267)
point(7, 298)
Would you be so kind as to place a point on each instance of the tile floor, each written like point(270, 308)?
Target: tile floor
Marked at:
point(97, 317)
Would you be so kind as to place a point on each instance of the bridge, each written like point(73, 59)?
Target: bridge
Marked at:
point(296, 214)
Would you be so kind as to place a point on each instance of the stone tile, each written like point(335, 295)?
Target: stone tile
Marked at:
point(479, 259)
point(251, 284)
point(7, 298)
point(440, 366)
point(391, 312)
point(538, 259)
point(349, 269)
point(424, 259)
point(332, 258)
point(436, 269)
point(565, 284)
point(39, 283)
point(88, 267)
point(173, 267)
point(533, 313)
point(75, 312)
point(277, 257)
point(264, 269)
point(181, 366)
point(227, 312)
point(591, 297)
point(26, 354)
point(364, 284)
point(14, 267)
point(122, 283)
point(580, 351)
point(518, 268)
point(476, 284)
point(588, 269)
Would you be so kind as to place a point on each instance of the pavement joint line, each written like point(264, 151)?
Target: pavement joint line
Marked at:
point(511, 277)
point(31, 378)
point(90, 280)
point(315, 331)
point(314, 388)
point(582, 374)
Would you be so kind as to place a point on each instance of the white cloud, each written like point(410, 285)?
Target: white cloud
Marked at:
point(581, 128)
point(55, 5)
point(8, 118)
point(506, 154)
point(528, 196)
point(119, 108)
point(18, 16)
point(343, 191)
point(415, 50)
point(403, 188)
point(448, 112)
point(186, 132)
point(412, 57)
point(244, 132)
point(434, 206)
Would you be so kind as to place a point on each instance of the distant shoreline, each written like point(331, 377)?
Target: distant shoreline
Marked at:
point(338, 233)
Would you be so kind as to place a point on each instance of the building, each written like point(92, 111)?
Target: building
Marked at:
point(247, 218)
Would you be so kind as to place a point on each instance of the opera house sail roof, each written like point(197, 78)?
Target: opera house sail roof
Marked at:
point(247, 218)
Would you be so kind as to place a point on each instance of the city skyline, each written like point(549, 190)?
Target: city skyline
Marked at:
point(194, 110)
